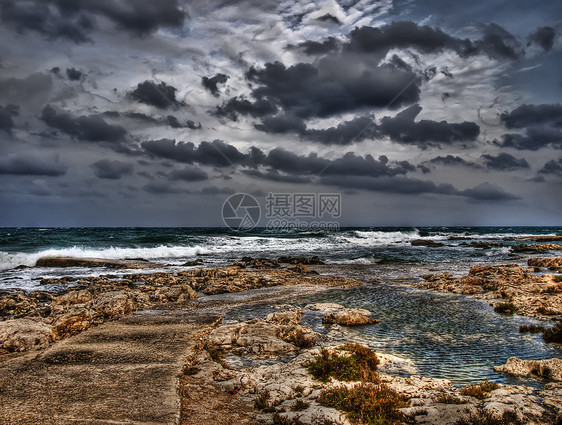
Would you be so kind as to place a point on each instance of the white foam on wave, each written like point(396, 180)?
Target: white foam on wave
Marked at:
point(163, 252)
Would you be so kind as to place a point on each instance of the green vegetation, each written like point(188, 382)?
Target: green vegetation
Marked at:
point(281, 420)
point(263, 402)
point(481, 390)
point(299, 339)
point(450, 399)
point(484, 417)
point(359, 365)
point(505, 308)
point(300, 405)
point(299, 389)
point(366, 403)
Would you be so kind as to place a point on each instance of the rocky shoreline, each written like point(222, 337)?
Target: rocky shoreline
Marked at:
point(280, 349)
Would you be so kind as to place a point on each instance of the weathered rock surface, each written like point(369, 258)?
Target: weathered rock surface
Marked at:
point(552, 263)
point(94, 300)
point(538, 296)
point(278, 333)
point(485, 244)
point(25, 335)
point(349, 317)
point(545, 247)
point(95, 262)
point(550, 369)
point(308, 261)
point(544, 238)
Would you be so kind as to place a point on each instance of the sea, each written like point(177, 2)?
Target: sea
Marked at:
point(219, 246)
point(442, 335)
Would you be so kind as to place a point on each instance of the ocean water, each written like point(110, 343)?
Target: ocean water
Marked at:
point(217, 246)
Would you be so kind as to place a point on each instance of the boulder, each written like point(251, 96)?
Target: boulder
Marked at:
point(428, 243)
point(349, 317)
point(74, 297)
point(25, 335)
point(252, 337)
point(549, 263)
point(174, 293)
point(287, 317)
point(95, 262)
point(550, 369)
point(301, 260)
point(113, 305)
point(72, 323)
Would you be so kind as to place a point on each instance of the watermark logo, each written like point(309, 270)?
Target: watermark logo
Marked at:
point(241, 212)
point(284, 211)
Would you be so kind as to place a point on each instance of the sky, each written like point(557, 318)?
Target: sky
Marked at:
point(143, 113)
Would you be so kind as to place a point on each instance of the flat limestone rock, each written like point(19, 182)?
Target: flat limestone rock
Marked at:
point(25, 334)
point(547, 369)
point(95, 262)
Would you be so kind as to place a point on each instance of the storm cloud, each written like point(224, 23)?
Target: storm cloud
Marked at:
point(76, 19)
point(212, 83)
point(504, 162)
point(160, 95)
point(87, 128)
point(25, 164)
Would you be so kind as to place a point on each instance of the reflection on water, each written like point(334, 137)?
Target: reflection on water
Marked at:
point(446, 335)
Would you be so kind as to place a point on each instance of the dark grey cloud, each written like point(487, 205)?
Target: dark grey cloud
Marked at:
point(76, 19)
point(216, 153)
point(554, 166)
point(329, 18)
point(168, 120)
point(32, 90)
point(504, 162)
point(488, 192)
point(534, 139)
point(175, 123)
point(160, 95)
point(544, 37)
point(212, 83)
point(44, 17)
point(398, 184)
point(26, 164)
point(242, 106)
point(327, 45)
point(276, 176)
point(354, 130)
point(425, 133)
point(91, 128)
point(190, 174)
point(306, 90)
point(113, 170)
point(533, 115)
point(453, 161)
point(413, 186)
point(74, 74)
point(7, 113)
point(495, 42)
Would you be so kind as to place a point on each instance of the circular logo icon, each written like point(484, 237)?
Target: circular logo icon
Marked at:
point(241, 212)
